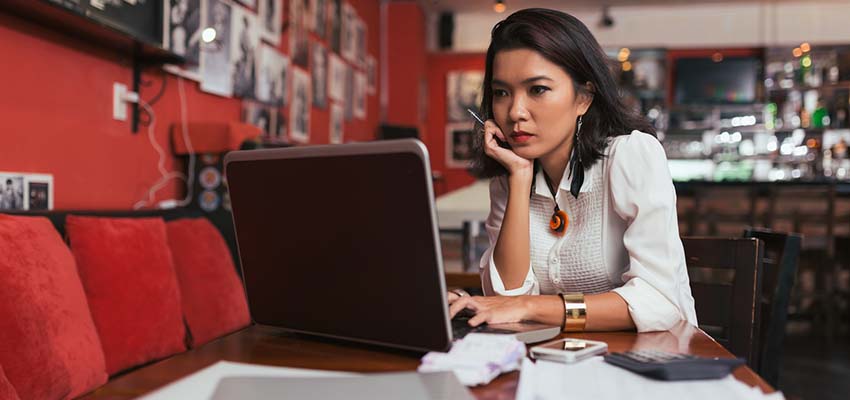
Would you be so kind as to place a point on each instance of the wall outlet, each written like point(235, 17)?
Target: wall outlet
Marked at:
point(119, 106)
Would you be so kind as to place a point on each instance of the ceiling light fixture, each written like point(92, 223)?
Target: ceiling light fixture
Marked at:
point(499, 6)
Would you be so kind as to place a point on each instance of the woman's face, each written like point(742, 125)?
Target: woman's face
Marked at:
point(534, 103)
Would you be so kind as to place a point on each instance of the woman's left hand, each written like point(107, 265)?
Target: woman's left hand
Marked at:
point(491, 309)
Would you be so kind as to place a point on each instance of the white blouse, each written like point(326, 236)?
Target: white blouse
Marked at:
point(623, 236)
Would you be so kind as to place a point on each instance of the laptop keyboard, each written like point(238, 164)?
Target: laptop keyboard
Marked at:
point(460, 328)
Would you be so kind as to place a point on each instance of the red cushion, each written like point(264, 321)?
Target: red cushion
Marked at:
point(129, 278)
point(7, 392)
point(213, 298)
point(49, 347)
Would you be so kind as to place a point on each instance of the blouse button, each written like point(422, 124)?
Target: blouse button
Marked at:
point(554, 260)
point(556, 280)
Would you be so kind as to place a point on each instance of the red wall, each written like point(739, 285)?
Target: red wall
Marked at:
point(439, 65)
point(56, 115)
point(406, 58)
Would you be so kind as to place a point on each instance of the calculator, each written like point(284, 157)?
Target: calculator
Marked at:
point(673, 366)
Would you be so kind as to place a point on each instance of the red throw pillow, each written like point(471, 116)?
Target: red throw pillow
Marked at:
point(49, 346)
point(213, 297)
point(129, 278)
point(7, 392)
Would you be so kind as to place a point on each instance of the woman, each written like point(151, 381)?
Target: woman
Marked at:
point(582, 226)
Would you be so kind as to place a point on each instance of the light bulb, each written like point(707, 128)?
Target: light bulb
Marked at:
point(499, 6)
point(208, 35)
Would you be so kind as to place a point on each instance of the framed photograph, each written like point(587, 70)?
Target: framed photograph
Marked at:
point(271, 76)
point(12, 192)
point(349, 93)
point(463, 90)
point(361, 33)
point(281, 128)
point(259, 115)
point(319, 10)
point(348, 43)
point(39, 188)
point(336, 85)
point(359, 95)
point(459, 140)
point(319, 75)
point(181, 26)
point(298, 23)
point(216, 70)
point(337, 118)
point(299, 111)
point(244, 40)
point(182, 29)
point(335, 24)
point(271, 20)
point(371, 74)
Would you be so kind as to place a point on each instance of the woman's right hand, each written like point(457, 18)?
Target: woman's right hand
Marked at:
point(510, 160)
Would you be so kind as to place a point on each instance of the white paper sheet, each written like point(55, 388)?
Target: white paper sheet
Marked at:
point(201, 385)
point(598, 380)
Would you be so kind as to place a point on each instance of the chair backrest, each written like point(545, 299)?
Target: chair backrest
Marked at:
point(725, 277)
point(781, 256)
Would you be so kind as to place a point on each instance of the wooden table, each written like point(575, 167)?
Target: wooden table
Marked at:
point(270, 346)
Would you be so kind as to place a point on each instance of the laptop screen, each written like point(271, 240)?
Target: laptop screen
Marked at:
point(339, 244)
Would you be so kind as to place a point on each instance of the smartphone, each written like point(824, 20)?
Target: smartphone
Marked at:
point(568, 350)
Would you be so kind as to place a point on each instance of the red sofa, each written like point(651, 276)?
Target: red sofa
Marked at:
point(89, 296)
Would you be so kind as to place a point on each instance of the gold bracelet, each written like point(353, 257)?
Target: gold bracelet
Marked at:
point(575, 312)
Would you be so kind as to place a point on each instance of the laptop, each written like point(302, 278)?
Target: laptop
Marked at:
point(341, 241)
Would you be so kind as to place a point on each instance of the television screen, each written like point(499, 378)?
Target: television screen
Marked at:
point(704, 81)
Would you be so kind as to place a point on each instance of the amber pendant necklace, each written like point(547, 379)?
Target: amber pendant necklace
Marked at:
point(559, 222)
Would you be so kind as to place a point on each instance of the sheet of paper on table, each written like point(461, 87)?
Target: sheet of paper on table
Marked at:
point(202, 384)
point(595, 379)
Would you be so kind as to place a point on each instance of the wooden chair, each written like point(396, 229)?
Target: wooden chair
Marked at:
point(781, 256)
point(725, 277)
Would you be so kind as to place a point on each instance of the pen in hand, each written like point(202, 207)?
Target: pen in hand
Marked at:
point(474, 115)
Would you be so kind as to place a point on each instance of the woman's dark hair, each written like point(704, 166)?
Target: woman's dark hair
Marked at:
point(563, 40)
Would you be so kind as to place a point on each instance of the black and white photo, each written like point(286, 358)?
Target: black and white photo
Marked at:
point(336, 123)
point(281, 126)
point(459, 139)
point(183, 29)
point(271, 75)
point(271, 20)
point(349, 93)
point(12, 192)
point(347, 40)
point(463, 90)
point(336, 86)
point(298, 21)
point(299, 111)
point(359, 110)
point(245, 39)
point(216, 69)
point(360, 42)
point(335, 24)
point(319, 10)
point(182, 36)
point(259, 115)
point(319, 74)
point(371, 74)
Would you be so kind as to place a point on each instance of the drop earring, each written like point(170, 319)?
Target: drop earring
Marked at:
point(576, 167)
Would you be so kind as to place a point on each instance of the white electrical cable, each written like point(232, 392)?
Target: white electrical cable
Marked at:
point(165, 175)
